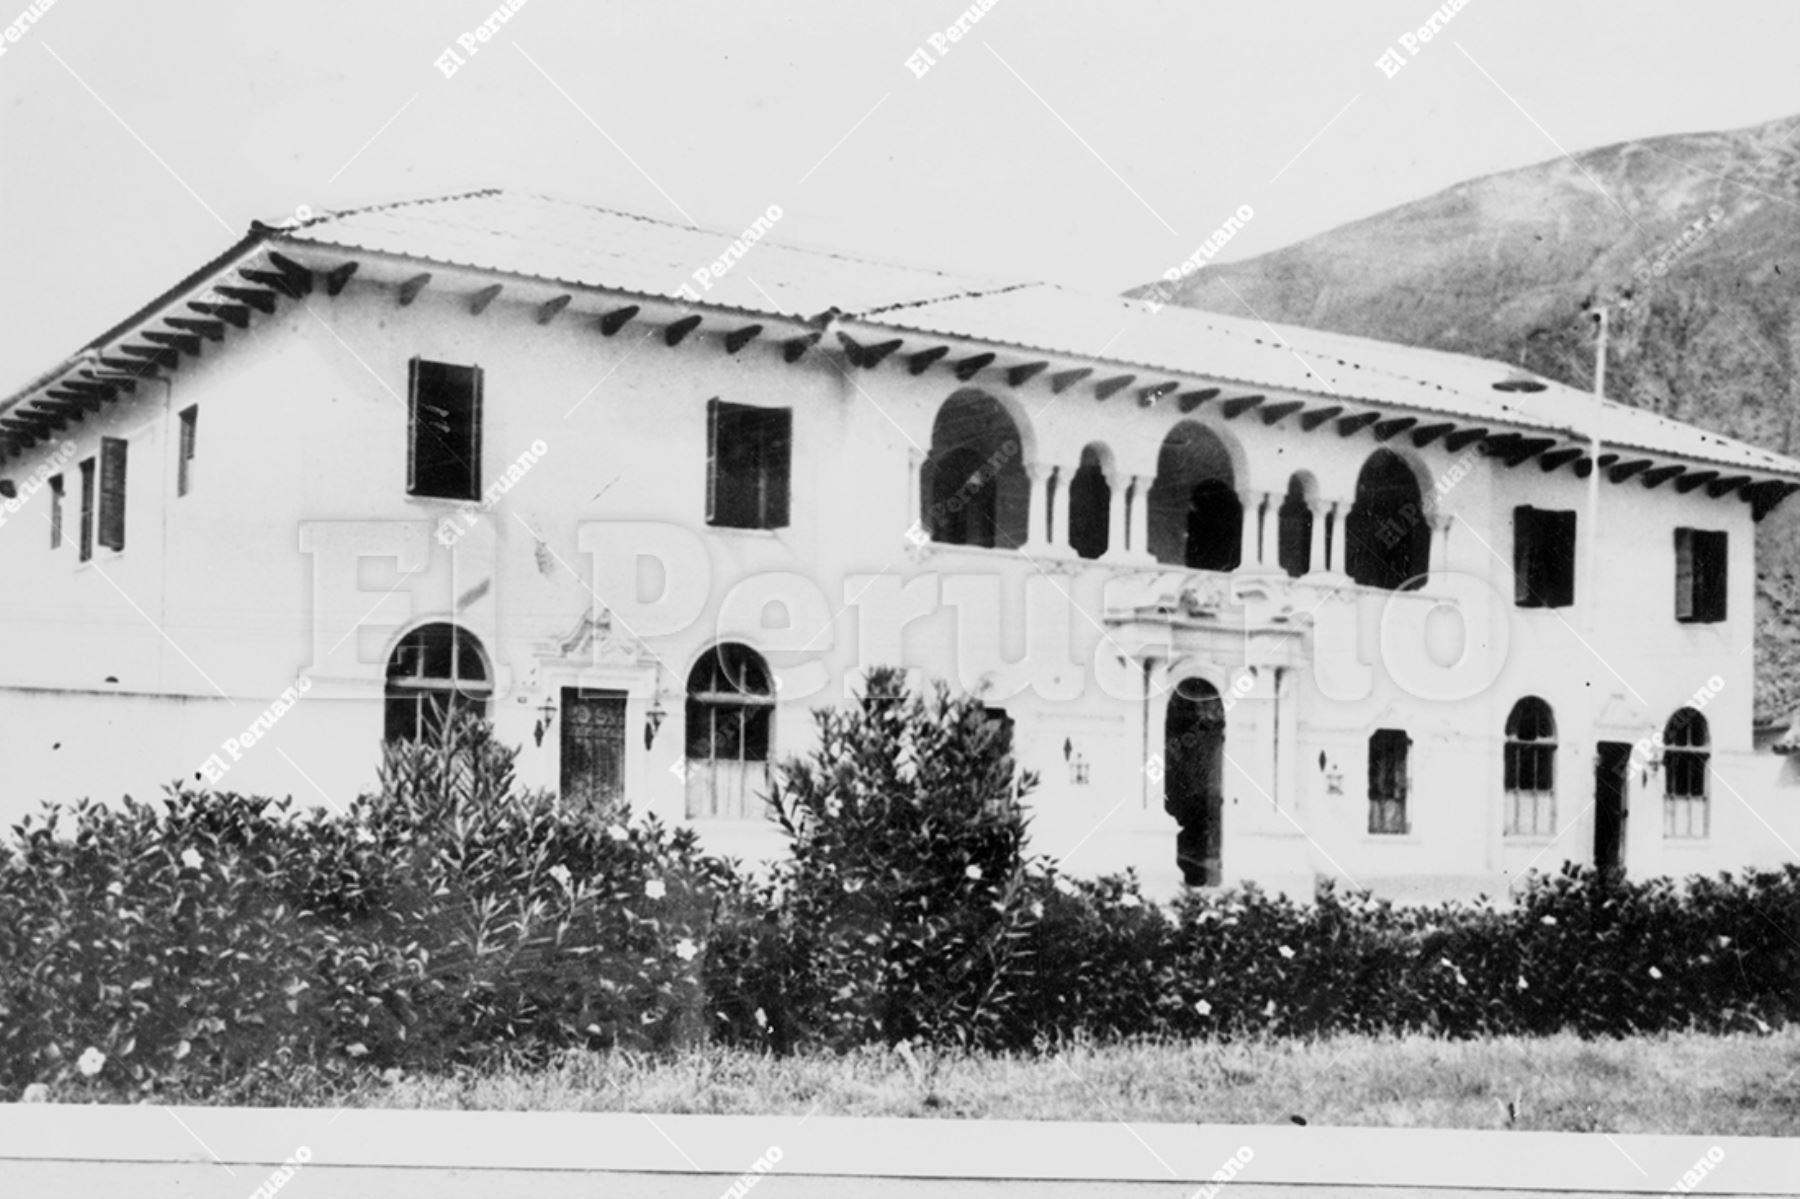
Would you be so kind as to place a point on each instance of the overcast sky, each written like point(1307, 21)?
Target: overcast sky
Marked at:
point(1091, 144)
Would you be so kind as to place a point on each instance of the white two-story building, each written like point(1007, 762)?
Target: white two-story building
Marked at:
point(1260, 603)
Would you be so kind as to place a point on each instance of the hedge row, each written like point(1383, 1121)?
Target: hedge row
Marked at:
point(215, 939)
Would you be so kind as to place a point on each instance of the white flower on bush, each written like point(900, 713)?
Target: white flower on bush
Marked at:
point(655, 889)
point(1203, 1007)
point(1522, 985)
point(852, 885)
point(560, 873)
point(190, 857)
point(90, 1061)
point(1285, 952)
point(115, 888)
point(1655, 973)
point(618, 832)
point(1550, 920)
point(686, 950)
point(972, 873)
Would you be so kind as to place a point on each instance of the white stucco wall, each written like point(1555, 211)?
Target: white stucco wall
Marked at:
point(120, 674)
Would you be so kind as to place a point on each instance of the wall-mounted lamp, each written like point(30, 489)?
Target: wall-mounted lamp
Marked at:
point(653, 719)
point(546, 717)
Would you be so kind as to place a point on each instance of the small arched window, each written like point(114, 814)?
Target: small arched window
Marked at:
point(1530, 769)
point(730, 714)
point(1685, 761)
point(436, 670)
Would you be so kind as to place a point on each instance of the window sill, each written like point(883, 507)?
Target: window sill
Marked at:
point(100, 557)
point(1392, 839)
point(476, 504)
point(1675, 842)
point(735, 531)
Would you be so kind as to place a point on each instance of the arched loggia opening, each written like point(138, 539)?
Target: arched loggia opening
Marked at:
point(1090, 506)
point(1387, 535)
point(975, 489)
point(1195, 517)
point(1294, 530)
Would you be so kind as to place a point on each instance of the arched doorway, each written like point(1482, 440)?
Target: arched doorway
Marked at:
point(1195, 518)
point(975, 488)
point(1388, 538)
point(1194, 779)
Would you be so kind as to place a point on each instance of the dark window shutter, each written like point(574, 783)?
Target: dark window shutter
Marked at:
point(778, 452)
point(56, 511)
point(1684, 574)
point(1525, 547)
point(712, 461)
point(87, 508)
point(412, 425)
point(472, 435)
point(1561, 549)
point(112, 492)
point(1712, 575)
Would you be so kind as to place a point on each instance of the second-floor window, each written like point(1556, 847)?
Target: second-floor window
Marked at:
point(444, 431)
point(103, 498)
point(748, 454)
point(1700, 563)
point(1543, 558)
point(110, 523)
point(1388, 781)
point(86, 548)
point(184, 453)
point(56, 511)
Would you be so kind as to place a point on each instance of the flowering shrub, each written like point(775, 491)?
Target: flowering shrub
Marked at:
point(1578, 952)
point(899, 910)
point(216, 943)
point(217, 936)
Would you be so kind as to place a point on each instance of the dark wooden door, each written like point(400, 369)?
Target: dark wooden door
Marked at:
point(593, 747)
point(1194, 780)
point(1611, 761)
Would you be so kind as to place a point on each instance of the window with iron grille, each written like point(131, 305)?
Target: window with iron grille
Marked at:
point(1388, 781)
point(748, 454)
point(444, 431)
point(730, 716)
point(1700, 565)
point(1686, 807)
point(1543, 558)
point(436, 670)
point(1530, 769)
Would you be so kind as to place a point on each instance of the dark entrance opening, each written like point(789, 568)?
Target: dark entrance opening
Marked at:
point(1194, 779)
point(1611, 761)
